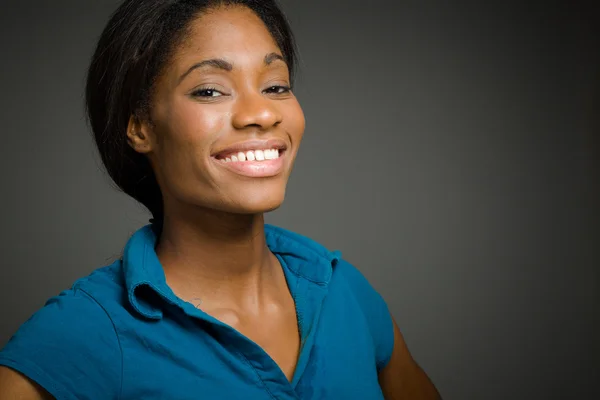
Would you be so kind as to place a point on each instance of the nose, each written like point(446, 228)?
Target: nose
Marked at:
point(255, 110)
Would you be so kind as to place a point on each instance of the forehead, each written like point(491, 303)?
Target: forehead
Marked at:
point(231, 32)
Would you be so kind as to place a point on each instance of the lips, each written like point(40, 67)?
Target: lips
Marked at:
point(248, 158)
point(250, 145)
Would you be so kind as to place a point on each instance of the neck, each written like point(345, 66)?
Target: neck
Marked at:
point(217, 256)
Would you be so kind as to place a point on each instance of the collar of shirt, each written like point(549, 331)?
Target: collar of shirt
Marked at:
point(147, 290)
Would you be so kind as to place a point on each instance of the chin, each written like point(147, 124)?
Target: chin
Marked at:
point(258, 202)
point(260, 207)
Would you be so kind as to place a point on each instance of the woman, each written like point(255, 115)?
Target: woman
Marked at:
point(191, 106)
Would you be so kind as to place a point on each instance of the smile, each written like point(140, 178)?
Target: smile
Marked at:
point(256, 159)
point(250, 155)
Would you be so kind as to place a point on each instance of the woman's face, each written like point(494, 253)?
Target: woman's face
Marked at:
point(225, 128)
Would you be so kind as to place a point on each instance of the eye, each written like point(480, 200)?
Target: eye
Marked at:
point(278, 90)
point(207, 92)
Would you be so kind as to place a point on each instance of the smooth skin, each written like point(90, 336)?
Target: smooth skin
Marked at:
point(238, 93)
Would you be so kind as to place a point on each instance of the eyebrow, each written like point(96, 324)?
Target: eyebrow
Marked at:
point(224, 65)
point(271, 57)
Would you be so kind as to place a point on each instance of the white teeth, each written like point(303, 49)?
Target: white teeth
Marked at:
point(253, 155)
point(271, 154)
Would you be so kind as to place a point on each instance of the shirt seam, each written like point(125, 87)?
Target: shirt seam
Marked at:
point(116, 334)
point(302, 276)
point(257, 374)
point(328, 256)
point(375, 337)
point(309, 245)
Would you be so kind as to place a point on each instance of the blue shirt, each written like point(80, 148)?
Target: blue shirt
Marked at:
point(121, 333)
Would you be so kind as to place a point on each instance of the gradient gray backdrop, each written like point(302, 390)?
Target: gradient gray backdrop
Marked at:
point(451, 153)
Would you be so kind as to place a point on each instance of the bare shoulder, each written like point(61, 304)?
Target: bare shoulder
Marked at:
point(402, 378)
point(13, 385)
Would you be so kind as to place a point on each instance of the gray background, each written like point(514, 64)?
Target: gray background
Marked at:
point(451, 153)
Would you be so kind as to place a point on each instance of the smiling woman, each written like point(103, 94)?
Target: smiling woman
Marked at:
point(194, 116)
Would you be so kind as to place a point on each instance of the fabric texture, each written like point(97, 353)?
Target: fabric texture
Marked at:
point(121, 333)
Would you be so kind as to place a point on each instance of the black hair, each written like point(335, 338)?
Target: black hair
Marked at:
point(131, 53)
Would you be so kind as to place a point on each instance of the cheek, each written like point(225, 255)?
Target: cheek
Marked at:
point(295, 121)
point(196, 125)
point(185, 135)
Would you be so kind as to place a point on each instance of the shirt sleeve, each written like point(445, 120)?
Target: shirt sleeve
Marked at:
point(69, 347)
point(375, 310)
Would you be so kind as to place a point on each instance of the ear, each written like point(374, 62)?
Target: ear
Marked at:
point(139, 135)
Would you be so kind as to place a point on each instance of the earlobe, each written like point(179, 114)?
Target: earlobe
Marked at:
point(137, 135)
